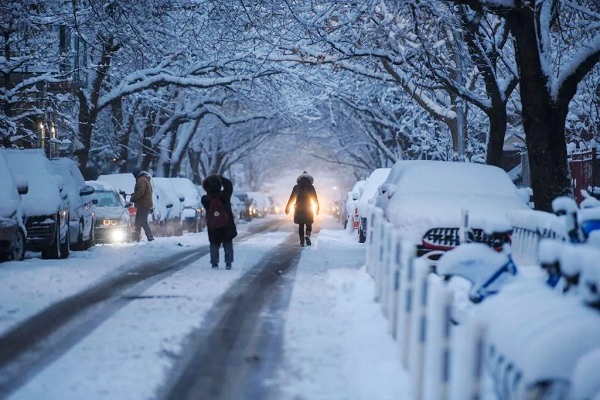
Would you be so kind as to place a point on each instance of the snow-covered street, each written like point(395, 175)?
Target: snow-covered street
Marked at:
point(134, 342)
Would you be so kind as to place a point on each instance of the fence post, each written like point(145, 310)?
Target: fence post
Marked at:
point(418, 334)
point(386, 268)
point(379, 248)
point(394, 282)
point(370, 241)
point(437, 351)
point(405, 298)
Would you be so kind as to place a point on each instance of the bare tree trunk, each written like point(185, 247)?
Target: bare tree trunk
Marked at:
point(88, 112)
point(543, 120)
point(194, 158)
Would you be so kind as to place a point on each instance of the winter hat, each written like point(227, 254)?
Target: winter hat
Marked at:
point(307, 176)
point(212, 184)
point(136, 172)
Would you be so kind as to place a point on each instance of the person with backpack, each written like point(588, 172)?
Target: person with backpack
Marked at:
point(304, 196)
point(219, 218)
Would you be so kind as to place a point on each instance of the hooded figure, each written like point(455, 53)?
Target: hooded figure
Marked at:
point(142, 198)
point(218, 194)
point(304, 196)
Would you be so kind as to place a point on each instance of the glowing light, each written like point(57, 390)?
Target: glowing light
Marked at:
point(118, 235)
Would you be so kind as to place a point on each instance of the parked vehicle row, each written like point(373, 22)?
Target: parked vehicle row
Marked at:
point(46, 206)
point(176, 202)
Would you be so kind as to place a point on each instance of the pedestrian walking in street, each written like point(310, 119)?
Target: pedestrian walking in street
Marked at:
point(306, 205)
point(142, 199)
point(219, 218)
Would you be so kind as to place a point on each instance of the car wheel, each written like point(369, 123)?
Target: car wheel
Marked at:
point(65, 247)
point(362, 237)
point(18, 247)
point(91, 242)
point(178, 228)
point(53, 250)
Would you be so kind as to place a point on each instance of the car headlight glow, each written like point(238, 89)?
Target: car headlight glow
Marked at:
point(63, 217)
point(118, 235)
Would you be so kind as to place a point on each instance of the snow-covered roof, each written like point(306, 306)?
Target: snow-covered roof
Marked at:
point(9, 198)
point(188, 189)
point(124, 182)
point(43, 197)
point(372, 183)
point(432, 194)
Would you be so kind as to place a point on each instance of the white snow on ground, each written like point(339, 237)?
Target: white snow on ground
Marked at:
point(336, 344)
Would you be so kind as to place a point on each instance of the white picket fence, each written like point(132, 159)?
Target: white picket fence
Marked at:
point(418, 306)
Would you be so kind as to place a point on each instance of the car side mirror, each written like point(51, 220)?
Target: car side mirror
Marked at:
point(355, 196)
point(525, 194)
point(22, 184)
point(86, 190)
point(169, 205)
point(181, 197)
point(94, 201)
point(60, 182)
point(391, 189)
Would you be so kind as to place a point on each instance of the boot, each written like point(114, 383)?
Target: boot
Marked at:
point(308, 243)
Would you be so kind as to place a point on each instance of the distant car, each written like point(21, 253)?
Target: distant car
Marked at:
point(367, 199)
point(82, 218)
point(45, 206)
point(432, 199)
point(260, 204)
point(125, 183)
point(246, 209)
point(12, 228)
point(174, 213)
point(352, 204)
point(113, 221)
point(193, 215)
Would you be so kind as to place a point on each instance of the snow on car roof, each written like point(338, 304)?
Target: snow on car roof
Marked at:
point(124, 182)
point(433, 194)
point(188, 189)
point(9, 198)
point(373, 182)
point(455, 177)
point(43, 197)
point(100, 186)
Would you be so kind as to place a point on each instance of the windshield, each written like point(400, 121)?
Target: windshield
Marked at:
point(107, 198)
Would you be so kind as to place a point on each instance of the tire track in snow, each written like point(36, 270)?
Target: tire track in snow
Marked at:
point(237, 350)
point(36, 342)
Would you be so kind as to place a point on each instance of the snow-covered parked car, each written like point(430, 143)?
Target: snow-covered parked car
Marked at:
point(434, 201)
point(45, 206)
point(260, 204)
point(125, 183)
point(173, 216)
point(352, 204)
point(193, 214)
point(12, 228)
point(367, 199)
point(82, 218)
point(113, 222)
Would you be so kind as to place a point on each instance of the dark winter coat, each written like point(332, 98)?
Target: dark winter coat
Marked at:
point(303, 195)
point(142, 193)
point(222, 187)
